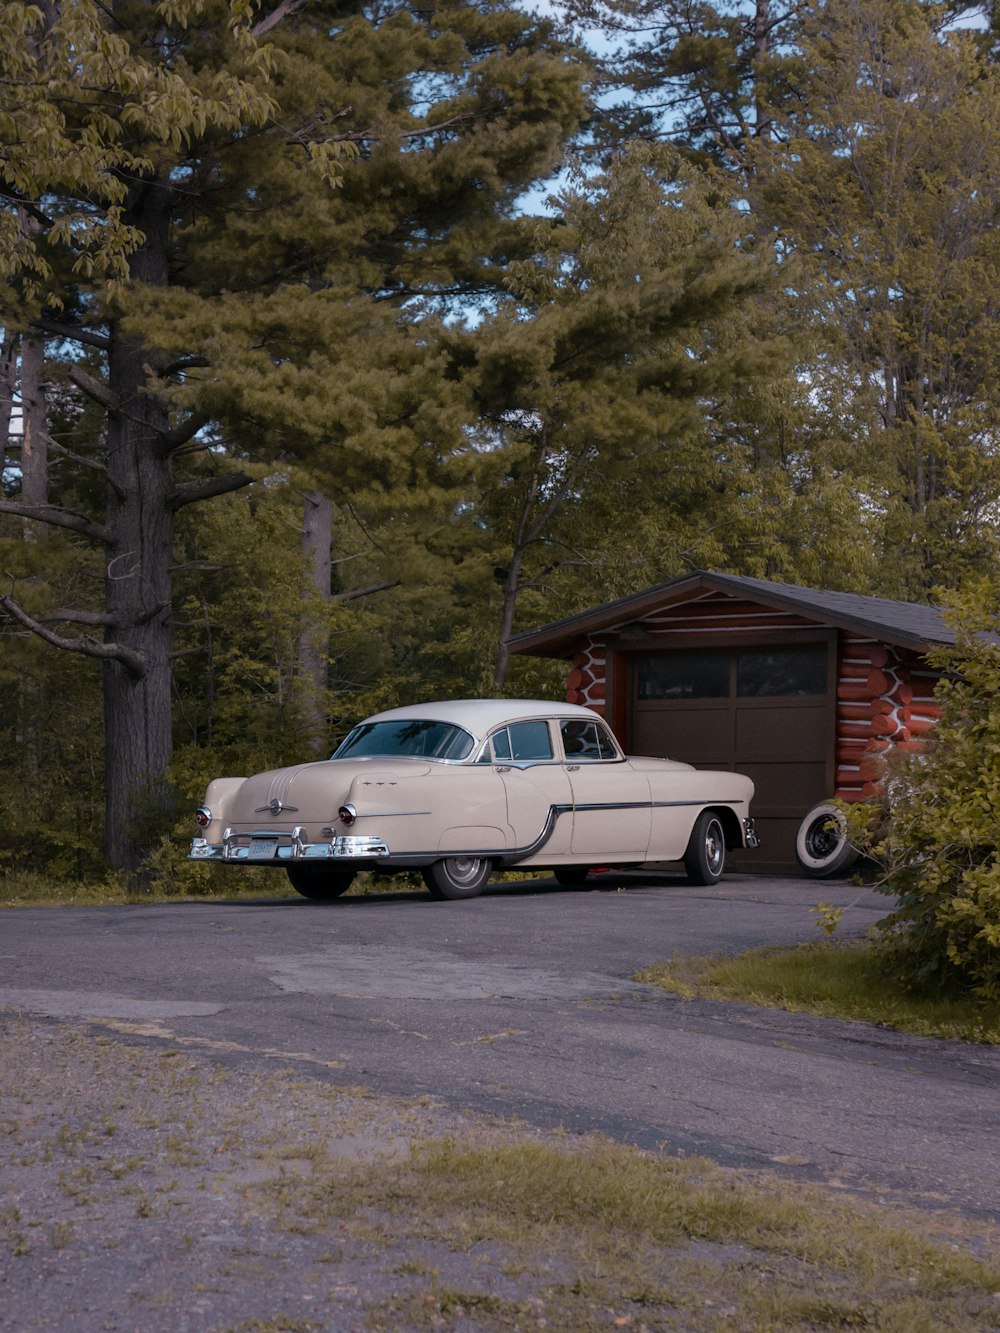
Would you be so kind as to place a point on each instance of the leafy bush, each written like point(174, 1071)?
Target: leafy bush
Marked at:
point(941, 842)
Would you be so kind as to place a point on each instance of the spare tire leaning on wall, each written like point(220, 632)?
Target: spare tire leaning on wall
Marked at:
point(822, 846)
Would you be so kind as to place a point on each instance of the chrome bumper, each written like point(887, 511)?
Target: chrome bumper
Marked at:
point(749, 835)
point(285, 847)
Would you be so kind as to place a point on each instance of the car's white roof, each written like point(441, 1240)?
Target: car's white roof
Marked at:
point(480, 716)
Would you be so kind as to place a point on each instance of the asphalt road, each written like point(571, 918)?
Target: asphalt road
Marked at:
point(520, 1003)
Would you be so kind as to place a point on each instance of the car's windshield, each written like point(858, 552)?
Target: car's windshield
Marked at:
point(406, 736)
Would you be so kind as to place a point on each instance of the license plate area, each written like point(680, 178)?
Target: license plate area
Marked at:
point(262, 849)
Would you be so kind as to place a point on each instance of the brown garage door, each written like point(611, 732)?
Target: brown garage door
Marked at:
point(766, 710)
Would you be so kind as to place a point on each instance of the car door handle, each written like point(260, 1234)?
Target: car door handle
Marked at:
point(503, 768)
point(572, 768)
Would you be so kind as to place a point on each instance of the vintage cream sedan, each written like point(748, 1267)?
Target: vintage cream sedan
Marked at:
point(462, 789)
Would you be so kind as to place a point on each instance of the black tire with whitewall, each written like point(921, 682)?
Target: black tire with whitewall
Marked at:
point(457, 877)
point(822, 847)
point(705, 858)
point(319, 883)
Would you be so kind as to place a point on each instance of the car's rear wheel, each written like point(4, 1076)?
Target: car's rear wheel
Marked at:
point(822, 846)
point(319, 883)
point(705, 858)
point(457, 876)
point(571, 876)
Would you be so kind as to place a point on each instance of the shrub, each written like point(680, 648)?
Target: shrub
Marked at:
point(941, 836)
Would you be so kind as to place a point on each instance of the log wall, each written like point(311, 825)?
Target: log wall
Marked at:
point(885, 700)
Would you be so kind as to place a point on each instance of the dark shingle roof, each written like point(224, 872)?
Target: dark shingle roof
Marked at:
point(908, 624)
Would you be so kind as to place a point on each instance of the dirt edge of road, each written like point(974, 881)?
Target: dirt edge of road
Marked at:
point(170, 1184)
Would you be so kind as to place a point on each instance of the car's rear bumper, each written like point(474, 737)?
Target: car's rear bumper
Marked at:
point(266, 847)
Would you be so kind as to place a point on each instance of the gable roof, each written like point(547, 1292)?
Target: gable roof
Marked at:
point(907, 624)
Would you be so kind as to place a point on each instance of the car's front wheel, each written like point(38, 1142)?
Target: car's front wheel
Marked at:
point(705, 858)
point(319, 883)
point(457, 876)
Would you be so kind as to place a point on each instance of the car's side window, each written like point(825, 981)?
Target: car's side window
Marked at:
point(523, 742)
point(586, 740)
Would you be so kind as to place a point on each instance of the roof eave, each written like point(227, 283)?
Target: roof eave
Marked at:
point(562, 638)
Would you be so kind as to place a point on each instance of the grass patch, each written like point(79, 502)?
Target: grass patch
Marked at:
point(839, 980)
point(29, 888)
point(623, 1238)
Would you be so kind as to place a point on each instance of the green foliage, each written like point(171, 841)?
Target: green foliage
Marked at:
point(881, 181)
point(941, 844)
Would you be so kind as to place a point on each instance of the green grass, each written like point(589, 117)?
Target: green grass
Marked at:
point(29, 888)
point(839, 980)
point(602, 1235)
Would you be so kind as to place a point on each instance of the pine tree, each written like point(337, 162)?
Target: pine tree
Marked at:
point(237, 219)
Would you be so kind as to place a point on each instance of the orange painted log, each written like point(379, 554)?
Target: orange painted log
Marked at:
point(859, 712)
point(854, 730)
point(574, 697)
point(926, 707)
point(874, 684)
point(872, 654)
point(920, 726)
point(884, 725)
point(575, 679)
point(853, 691)
point(873, 766)
point(850, 759)
point(903, 693)
point(596, 690)
point(852, 795)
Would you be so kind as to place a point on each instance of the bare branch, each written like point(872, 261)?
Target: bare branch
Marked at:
point(190, 492)
point(94, 389)
point(83, 461)
point(85, 645)
point(76, 617)
point(184, 363)
point(363, 592)
point(285, 10)
point(57, 518)
point(72, 333)
point(186, 431)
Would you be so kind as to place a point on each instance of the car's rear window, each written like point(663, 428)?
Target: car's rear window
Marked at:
point(415, 737)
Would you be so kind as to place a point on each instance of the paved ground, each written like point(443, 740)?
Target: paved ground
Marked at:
point(520, 1002)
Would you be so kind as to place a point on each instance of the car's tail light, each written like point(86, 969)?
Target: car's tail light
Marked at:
point(203, 816)
point(347, 815)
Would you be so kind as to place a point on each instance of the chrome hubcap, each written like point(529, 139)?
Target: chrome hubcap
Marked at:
point(465, 870)
point(715, 846)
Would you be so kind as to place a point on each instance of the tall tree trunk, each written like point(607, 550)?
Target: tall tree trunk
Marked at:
point(314, 645)
point(34, 491)
point(511, 589)
point(137, 704)
point(34, 430)
point(761, 51)
point(8, 375)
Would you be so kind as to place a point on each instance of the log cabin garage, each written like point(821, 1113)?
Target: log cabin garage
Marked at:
point(802, 690)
